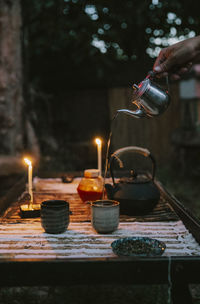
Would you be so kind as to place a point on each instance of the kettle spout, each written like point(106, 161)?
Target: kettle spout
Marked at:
point(137, 114)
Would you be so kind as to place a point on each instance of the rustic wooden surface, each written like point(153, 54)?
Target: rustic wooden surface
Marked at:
point(25, 238)
point(29, 241)
point(46, 189)
point(81, 211)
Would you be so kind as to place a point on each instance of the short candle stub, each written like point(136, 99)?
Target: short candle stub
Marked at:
point(30, 211)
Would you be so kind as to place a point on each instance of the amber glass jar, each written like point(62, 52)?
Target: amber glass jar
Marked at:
point(90, 187)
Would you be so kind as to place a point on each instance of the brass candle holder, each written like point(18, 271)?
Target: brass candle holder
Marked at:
point(28, 209)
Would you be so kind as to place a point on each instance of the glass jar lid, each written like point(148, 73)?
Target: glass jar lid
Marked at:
point(90, 173)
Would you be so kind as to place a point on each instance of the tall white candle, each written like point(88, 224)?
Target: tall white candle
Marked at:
point(99, 148)
point(30, 177)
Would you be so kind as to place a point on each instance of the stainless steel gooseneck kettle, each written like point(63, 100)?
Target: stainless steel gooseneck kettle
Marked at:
point(150, 99)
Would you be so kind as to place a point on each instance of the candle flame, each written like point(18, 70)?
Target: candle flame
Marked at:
point(27, 161)
point(98, 141)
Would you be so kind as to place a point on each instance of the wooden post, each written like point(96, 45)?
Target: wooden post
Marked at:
point(11, 97)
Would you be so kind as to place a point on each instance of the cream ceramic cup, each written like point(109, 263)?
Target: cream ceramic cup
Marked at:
point(105, 215)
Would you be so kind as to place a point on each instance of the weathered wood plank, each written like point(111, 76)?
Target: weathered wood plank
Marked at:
point(46, 189)
point(137, 270)
point(189, 220)
point(29, 241)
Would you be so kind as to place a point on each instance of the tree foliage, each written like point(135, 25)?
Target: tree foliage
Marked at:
point(100, 42)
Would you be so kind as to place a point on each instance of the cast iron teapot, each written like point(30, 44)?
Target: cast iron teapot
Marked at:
point(137, 194)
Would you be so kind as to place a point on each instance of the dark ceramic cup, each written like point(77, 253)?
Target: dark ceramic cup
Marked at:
point(55, 216)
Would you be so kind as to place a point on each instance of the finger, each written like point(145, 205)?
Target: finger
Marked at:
point(159, 60)
point(167, 65)
point(163, 67)
point(161, 75)
point(182, 70)
point(189, 64)
point(175, 77)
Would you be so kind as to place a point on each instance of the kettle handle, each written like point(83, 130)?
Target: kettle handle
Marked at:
point(116, 155)
point(152, 75)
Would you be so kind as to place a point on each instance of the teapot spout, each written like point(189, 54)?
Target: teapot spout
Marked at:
point(137, 114)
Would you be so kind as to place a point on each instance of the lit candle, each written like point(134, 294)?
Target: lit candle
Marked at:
point(30, 186)
point(98, 142)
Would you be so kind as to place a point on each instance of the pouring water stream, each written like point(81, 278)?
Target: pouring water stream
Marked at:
point(107, 155)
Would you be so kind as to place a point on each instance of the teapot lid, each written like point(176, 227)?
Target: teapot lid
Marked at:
point(140, 88)
point(135, 178)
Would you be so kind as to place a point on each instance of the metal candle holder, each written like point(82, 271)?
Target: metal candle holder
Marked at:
point(28, 209)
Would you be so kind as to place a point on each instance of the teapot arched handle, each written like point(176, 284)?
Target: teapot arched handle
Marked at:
point(116, 155)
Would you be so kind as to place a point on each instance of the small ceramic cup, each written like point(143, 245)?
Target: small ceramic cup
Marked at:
point(105, 215)
point(55, 216)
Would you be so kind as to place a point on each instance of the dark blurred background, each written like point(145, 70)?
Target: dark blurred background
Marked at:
point(67, 66)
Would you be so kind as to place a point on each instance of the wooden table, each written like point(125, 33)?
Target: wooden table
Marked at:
point(29, 256)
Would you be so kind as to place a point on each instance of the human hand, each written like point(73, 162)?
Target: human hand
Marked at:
point(178, 58)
